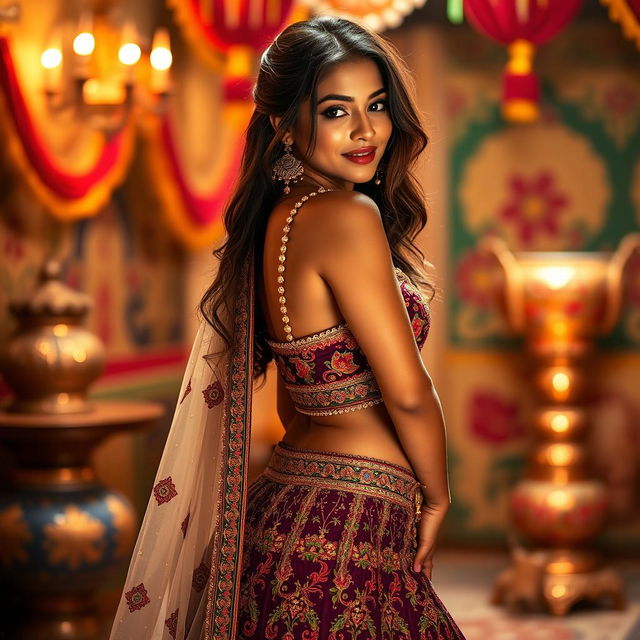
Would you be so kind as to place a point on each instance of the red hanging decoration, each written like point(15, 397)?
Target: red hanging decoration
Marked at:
point(521, 25)
point(216, 27)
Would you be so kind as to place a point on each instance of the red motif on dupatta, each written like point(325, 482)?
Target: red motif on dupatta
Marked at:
point(137, 598)
point(184, 525)
point(165, 490)
point(172, 623)
point(200, 576)
point(213, 394)
point(187, 391)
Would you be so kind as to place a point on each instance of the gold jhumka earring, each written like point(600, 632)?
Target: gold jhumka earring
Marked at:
point(287, 168)
point(378, 178)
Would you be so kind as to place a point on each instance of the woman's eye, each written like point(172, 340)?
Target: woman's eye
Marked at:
point(380, 104)
point(333, 112)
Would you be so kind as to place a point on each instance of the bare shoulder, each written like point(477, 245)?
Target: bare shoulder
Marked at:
point(343, 215)
point(344, 231)
point(335, 204)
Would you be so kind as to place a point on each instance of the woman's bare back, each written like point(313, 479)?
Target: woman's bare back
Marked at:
point(311, 308)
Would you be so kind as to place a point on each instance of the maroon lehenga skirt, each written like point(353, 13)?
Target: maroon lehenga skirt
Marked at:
point(328, 550)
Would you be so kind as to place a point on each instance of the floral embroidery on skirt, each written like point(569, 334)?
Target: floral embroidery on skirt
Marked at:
point(328, 548)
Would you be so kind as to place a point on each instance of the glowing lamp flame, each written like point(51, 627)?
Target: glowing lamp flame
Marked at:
point(60, 330)
point(556, 277)
point(560, 381)
point(560, 455)
point(560, 423)
point(559, 590)
point(559, 499)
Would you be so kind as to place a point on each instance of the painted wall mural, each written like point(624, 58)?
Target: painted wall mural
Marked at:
point(568, 182)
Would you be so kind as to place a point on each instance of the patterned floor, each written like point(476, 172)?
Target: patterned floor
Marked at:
point(464, 580)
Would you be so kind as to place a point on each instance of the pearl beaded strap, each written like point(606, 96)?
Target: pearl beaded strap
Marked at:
point(282, 257)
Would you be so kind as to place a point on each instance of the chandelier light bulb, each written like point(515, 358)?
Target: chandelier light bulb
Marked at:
point(129, 53)
point(161, 61)
point(84, 44)
point(51, 58)
point(161, 58)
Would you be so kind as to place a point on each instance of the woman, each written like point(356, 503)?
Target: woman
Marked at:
point(328, 542)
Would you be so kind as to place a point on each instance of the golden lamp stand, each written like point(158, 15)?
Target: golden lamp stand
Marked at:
point(560, 301)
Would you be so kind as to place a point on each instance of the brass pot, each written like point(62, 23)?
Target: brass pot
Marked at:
point(51, 359)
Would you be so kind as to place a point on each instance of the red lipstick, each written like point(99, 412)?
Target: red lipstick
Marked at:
point(362, 155)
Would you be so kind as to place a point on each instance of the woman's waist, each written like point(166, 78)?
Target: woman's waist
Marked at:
point(368, 432)
point(343, 471)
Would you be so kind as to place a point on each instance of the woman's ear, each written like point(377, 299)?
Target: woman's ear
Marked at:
point(275, 122)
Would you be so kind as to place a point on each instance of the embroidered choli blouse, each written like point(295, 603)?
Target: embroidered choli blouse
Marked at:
point(327, 373)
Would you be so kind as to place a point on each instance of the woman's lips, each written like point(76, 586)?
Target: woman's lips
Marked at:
point(361, 156)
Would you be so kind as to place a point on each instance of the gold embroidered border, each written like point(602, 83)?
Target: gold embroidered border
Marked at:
point(322, 469)
point(360, 391)
point(333, 412)
point(337, 485)
point(283, 347)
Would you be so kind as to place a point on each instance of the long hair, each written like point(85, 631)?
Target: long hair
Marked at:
point(290, 70)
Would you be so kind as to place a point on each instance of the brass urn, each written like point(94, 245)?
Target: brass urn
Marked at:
point(52, 359)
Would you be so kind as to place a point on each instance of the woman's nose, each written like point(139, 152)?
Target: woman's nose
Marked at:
point(363, 129)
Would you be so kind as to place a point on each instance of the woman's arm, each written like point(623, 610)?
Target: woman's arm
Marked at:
point(354, 259)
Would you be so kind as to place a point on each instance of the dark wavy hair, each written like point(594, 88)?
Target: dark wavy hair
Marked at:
point(290, 70)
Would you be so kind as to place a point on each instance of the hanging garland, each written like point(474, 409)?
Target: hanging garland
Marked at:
point(377, 16)
point(195, 218)
point(627, 13)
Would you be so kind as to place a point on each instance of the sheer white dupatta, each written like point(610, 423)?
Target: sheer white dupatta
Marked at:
point(184, 578)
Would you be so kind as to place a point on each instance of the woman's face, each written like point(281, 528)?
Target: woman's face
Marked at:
point(352, 126)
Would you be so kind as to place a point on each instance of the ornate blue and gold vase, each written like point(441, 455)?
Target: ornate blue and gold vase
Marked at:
point(62, 533)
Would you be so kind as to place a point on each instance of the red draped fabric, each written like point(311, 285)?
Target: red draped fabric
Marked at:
point(627, 13)
point(68, 194)
point(203, 209)
point(506, 22)
point(195, 217)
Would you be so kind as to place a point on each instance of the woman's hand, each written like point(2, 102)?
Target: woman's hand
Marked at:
point(428, 528)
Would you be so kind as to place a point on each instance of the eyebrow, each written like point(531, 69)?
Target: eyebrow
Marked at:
point(335, 96)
